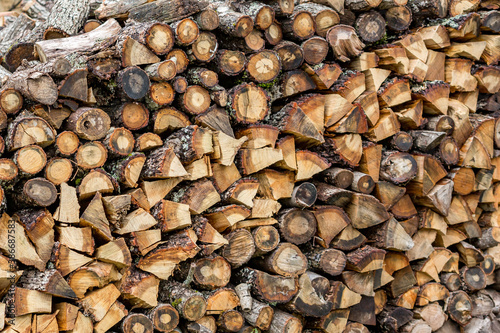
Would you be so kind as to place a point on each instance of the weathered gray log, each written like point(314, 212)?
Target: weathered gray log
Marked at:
point(14, 32)
point(47, 49)
point(166, 11)
point(66, 18)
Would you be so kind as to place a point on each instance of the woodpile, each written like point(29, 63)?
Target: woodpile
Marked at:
point(246, 166)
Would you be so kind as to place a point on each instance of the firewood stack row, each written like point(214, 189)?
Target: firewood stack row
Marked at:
point(245, 166)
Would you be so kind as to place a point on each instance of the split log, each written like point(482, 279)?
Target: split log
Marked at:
point(291, 119)
point(336, 319)
point(242, 191)
point(394, 92)
point(392, 236)
point(366, 211)
point(393, 58)
point(161, 262)
point(387, 125)
point(344, 42)
point(310, 299)
point(221, 300)
point(291, 83)
point(167, 120)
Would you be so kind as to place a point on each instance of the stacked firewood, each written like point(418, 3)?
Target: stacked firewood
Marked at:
point(246, 166)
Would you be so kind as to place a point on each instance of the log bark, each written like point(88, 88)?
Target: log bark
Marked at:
point(165, 11)
point(66, 19)
point(189, 303)
point(56, 48)
point(15, 32)
point(261, 14)
point(260, 315)
point(264, 285)
point(33, 85)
